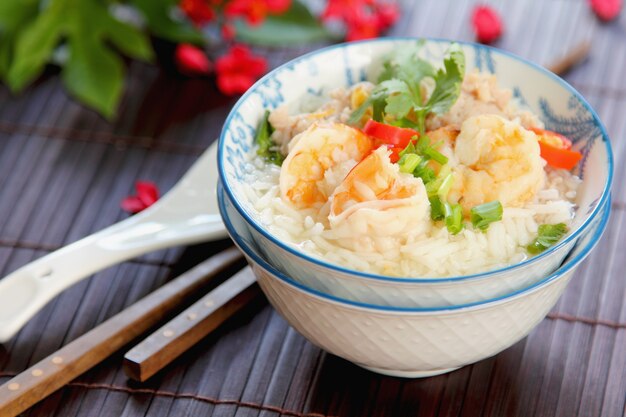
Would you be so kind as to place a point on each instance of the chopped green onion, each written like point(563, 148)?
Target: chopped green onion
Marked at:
point(444, 179)
point(422, 144)
point(410, 148)
point(268, 150)
point(547, 235)
point(445, 186)
point(409, 162)
point(485, 214)
point(454, 218)
point(435, 155)
point(424, 172)
point(437, 209)
point(378, 107)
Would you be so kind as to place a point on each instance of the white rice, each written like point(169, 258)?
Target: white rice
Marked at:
point(431, 253)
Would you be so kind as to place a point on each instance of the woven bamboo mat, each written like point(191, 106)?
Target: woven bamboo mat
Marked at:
point(63, 171)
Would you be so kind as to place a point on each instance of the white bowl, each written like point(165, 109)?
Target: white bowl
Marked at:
point(560, 107)
point(409, 342)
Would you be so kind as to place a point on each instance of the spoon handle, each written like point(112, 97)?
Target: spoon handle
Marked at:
point(183, 216)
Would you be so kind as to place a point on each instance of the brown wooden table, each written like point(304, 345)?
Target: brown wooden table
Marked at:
point(63, 171)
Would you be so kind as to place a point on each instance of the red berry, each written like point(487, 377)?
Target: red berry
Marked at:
point(487, 24)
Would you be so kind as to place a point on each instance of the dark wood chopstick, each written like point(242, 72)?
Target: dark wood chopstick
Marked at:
point(193, 324)
point(573, 57)
point(53, 372)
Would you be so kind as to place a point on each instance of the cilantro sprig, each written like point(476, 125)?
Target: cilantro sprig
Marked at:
point(268, 150)
point(399, 93)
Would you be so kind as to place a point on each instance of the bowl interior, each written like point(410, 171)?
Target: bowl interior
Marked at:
point(303, 82)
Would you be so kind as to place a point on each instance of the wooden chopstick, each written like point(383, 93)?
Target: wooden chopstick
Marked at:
point(53, 372)
point(573, 57)
point(193, 324)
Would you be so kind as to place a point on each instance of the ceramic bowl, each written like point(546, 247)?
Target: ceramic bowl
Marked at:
point(408, 342)
point(560, 107)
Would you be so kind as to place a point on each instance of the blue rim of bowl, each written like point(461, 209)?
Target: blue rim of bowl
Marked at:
point(426, 280)
point(258, 259)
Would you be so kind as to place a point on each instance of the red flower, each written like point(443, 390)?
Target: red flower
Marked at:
point(198, 11)
point(362, 26)
point(487, 24)
point(238, 70)
point(147, 195)
point(363, 18)
point(387, 14)
point(192, 60)
point(606, 9)
point(254, 11)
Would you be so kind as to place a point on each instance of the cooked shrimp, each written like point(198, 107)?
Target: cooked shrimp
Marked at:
point(377, 200)
point(311, 154)
point(499, 160)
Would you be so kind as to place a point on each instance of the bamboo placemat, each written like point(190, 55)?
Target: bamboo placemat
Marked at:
point(63, 171)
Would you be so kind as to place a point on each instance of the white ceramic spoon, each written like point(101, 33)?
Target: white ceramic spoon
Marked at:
point(187, 214)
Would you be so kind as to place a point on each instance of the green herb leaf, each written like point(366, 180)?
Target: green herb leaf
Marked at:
point(448, 81)
point(377, 99)
point(267, 148)
point(398, 96)
point(404, 122)
point(547, 235)
point(406, 65)
point(485, 214)
point(399, 105)
point(296, 26)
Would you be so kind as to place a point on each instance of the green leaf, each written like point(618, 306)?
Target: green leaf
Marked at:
point(399, 99)
point(35, 44)
point(378, 100)
point(296, 26)
point(158, 15)
point(448, 81)
point(128, 40)
point(14, 14)
point(406, 65)
point(93, 72)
